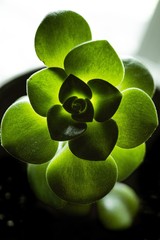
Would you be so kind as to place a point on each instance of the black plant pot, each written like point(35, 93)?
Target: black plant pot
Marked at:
point(23, 217)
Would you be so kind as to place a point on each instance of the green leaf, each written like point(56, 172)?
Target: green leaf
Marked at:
point(136, 118)
point(38, 182)
point(74, 86)
point(61, 126)
point(57, 34)
point(25, 134)
point(80, 181)
point(118, 209)
point(106, 99)
point(97, 141)
point(137, 75)
point(95, 59)
point(75, 209)
point(128, 160)
point(43, 88)
point(85, 111)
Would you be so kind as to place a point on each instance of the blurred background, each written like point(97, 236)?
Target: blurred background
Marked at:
point(131, 27)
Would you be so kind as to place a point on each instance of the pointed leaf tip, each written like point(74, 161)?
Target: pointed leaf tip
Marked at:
point(97, 141)
point(95, 59)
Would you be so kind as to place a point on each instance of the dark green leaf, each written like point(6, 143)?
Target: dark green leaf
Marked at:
point(75, 209)
point(97, 141)
point(57, 34)
point(74, 86)
point(68, 104)
point(86, 114)
point(106, 99)
point(81, 109)
point(61, 126)
point(38, 182)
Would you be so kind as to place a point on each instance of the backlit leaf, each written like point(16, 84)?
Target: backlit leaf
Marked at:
point(25, 134)
point(80, 181)
point(136, 118)
point(57, 34)
point(128, 160)
point(95, 59)
point(137, 75)
point(43, 88)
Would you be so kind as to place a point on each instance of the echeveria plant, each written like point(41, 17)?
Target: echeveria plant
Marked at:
point(83, 124)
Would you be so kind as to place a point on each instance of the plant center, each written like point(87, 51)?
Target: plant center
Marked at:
point(78, 105)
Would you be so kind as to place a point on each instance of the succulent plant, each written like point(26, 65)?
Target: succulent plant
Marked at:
point(86, 116)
